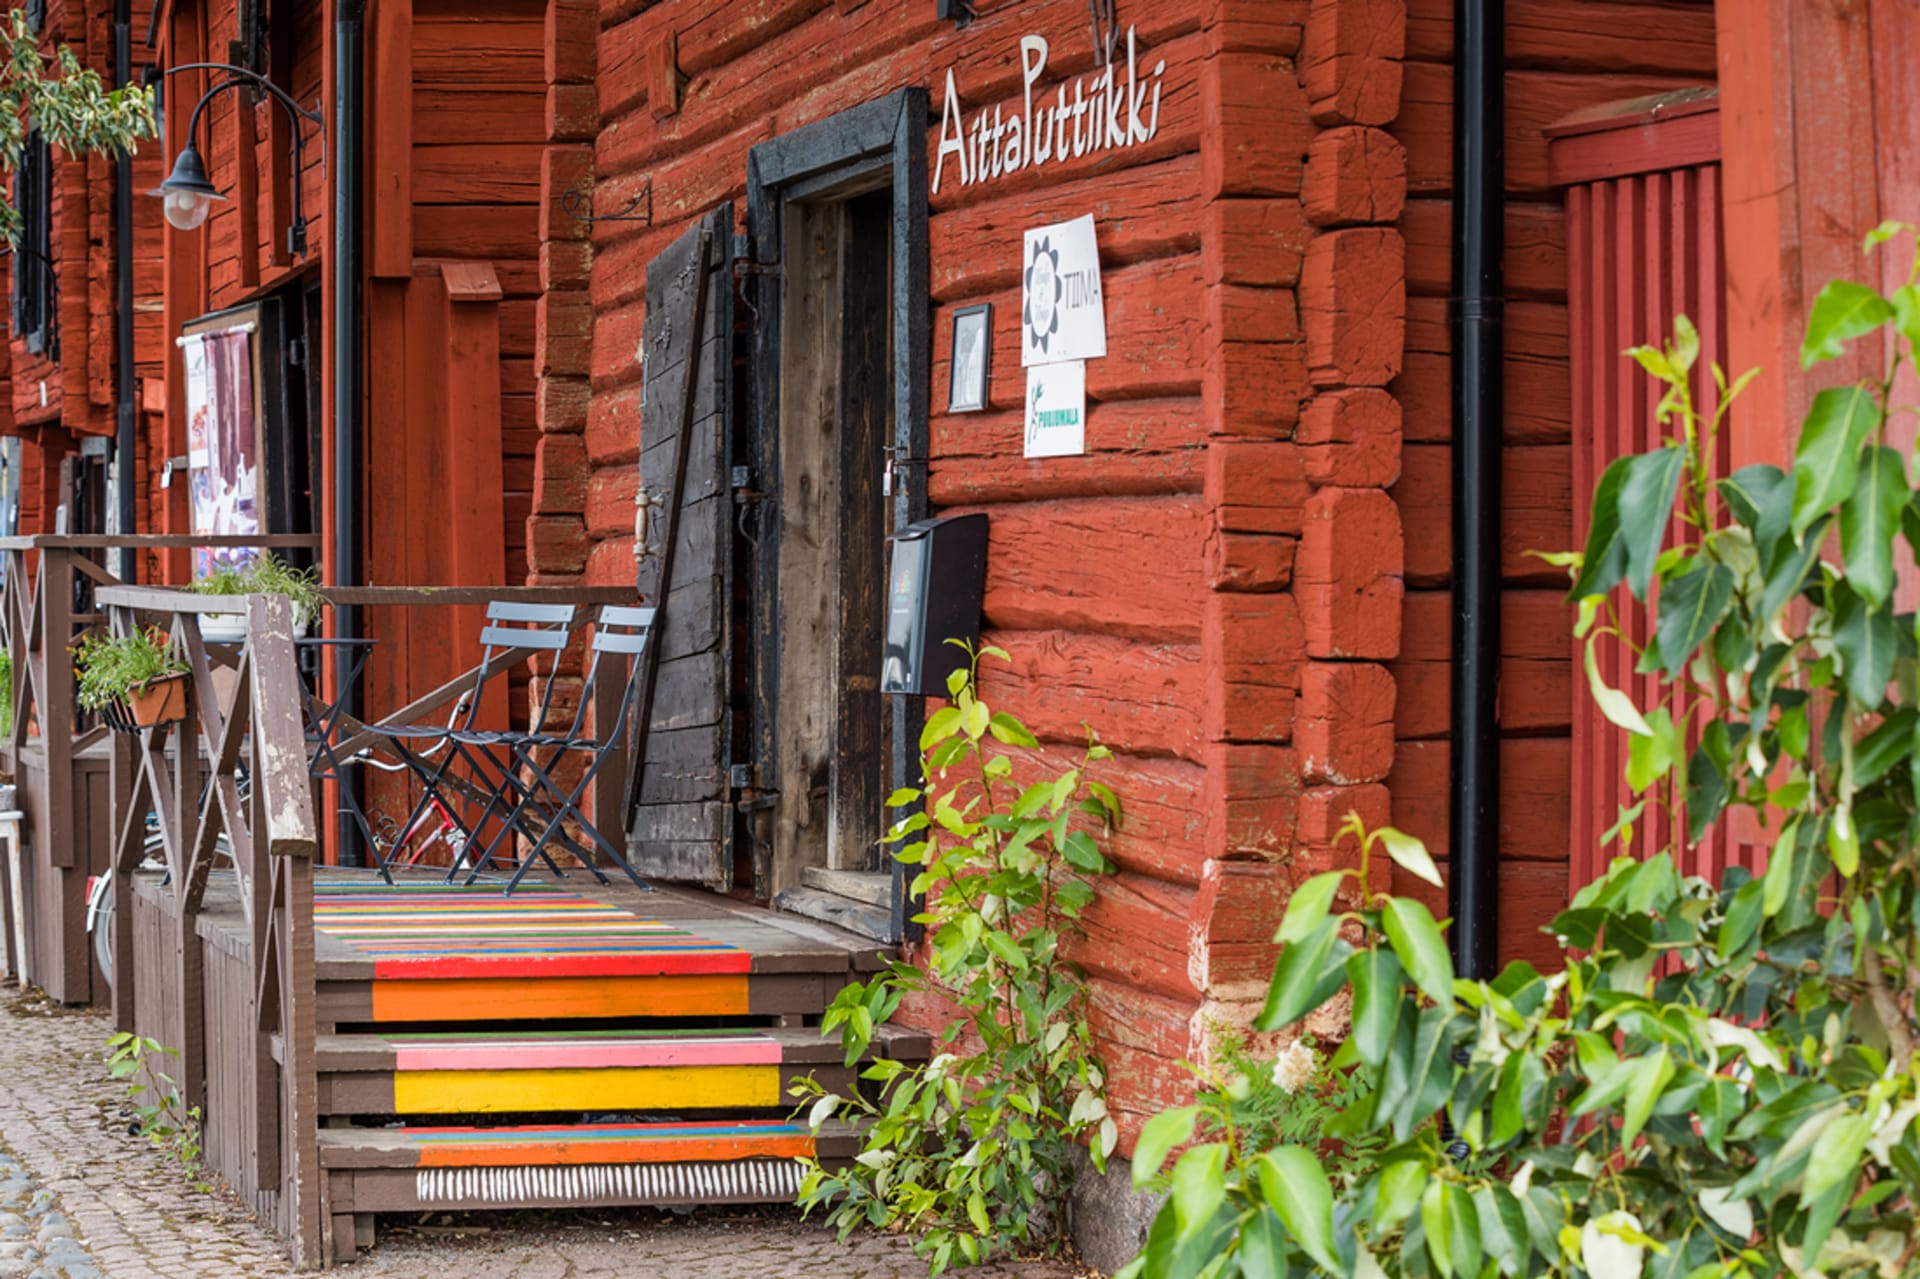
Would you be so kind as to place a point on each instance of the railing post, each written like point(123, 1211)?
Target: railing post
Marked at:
point(56, 704)
point(284, 839)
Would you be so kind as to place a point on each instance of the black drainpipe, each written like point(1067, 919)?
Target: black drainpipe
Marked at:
point(126, 498)
point(1479, 65)
point(348, 37)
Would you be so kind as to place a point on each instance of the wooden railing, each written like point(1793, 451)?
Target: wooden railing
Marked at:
point(45, 576)
point(232, 771)
point(233, 780)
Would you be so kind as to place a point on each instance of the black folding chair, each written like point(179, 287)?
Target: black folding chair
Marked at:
point(546, 803)
point(431, 751)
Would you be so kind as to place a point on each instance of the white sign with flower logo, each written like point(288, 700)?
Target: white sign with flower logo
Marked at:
point(1062, 312)
point(1056, 415)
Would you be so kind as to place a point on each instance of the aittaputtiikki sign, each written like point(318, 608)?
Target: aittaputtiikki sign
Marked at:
point(1108, 111)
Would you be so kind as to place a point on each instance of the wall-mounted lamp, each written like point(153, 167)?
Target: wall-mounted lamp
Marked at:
point(189, 194)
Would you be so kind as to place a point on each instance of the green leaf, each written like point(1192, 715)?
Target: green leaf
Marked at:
point(1826, 463)
point(1777, 881)
point(1843, 311)
point(1611, 702)
point(1263, 1246)
point(1296, 1187)
point(1377, 978)
point(1651, 755)
point(1690, 606)
point(1199, 1185)
point(1749, 490)
point(1835, 1160)
point(1604, 561)
point(1006, 728)
point(1871, 519)
point(1651, 1075)
point(1743, 918)
point(1436, 1219)
point(1308, 906)
point(1646, 504)
point(1397, 1194)
point(1416, 940)
point(1158, 1136)
point(1865, 638)
point(1305, 976)
point(1410, 855)
point(940, 725)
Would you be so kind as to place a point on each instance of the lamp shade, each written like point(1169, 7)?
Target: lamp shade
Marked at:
point(187, 192)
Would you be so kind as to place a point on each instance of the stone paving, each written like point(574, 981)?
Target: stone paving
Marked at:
point(82, 1198)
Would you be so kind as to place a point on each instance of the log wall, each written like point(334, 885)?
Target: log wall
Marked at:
point(1216, 585)
point(1562, 55)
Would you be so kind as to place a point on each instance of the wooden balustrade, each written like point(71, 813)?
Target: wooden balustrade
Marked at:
point(228, 785)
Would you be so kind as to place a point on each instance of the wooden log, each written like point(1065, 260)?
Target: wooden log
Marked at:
point(1131, 567)
point(1536, 376)
point(1536, 674)
point(1135, 448)
point(1535, 780)
point(1672, 37)
point(1533, 259)
point(482, 173)
point(1140, 214)
point(1135, 934)
point(1537, 503)
point(1146, 697)
point(1535, 99)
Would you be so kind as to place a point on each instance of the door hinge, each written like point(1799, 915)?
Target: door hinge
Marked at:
point(740, 776)
point(744, 267)
point(744, 493)
point(297, 352)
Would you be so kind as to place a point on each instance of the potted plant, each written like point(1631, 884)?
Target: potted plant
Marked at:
point(223, 628)
point(136, 678)
point(267, 575)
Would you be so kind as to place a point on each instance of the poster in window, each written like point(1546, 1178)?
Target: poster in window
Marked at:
point(223, 443)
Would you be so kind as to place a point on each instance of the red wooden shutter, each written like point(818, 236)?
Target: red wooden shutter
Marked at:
point(1643, 244)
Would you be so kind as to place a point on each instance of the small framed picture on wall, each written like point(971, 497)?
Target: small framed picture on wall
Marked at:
point(972, 356)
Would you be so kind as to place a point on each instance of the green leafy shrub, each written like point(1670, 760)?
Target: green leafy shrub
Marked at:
point(109, 666)
point(1720, 1081)
point(975, 1148)
point(160, 1113)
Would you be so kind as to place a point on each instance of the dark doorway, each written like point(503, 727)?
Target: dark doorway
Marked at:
point(837, 303)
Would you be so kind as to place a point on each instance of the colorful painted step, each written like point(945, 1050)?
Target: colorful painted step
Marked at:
point(431, 953)
point(404, 1169)
point(617, 1070)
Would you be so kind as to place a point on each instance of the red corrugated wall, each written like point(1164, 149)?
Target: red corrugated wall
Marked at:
point(1643, 245)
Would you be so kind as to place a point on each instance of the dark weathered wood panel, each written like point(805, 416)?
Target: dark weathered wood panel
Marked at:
point(680, 779)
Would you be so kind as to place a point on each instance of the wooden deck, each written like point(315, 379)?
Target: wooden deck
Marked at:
point(573, 1044)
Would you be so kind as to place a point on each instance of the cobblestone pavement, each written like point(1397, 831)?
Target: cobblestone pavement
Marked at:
point(81, 1198)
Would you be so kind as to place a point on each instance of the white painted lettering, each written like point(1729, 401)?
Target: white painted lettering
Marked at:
point(1103, 112)
point(950, 116)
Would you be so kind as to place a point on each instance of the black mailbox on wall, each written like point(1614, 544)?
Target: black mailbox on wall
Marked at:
point(934, 591)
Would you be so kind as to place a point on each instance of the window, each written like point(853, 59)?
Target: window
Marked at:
point(35, 290)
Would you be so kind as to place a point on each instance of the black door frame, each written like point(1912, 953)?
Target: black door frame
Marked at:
point(885, 138)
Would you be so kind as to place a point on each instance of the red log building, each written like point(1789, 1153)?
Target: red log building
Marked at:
point(1243, 583)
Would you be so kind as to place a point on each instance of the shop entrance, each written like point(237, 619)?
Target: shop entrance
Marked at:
point(837, 305)
point(783, 439)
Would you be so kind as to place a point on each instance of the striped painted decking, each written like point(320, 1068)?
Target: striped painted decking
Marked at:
point(423, 932)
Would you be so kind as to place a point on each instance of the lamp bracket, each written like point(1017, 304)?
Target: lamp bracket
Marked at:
point(577, 203)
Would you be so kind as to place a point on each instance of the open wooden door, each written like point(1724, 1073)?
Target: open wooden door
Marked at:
point(681, 824)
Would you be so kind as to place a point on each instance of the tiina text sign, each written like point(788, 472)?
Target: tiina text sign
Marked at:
point(1107, 111)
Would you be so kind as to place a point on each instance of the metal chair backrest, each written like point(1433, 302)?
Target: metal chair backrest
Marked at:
point(619, 638)
point(546, 628)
